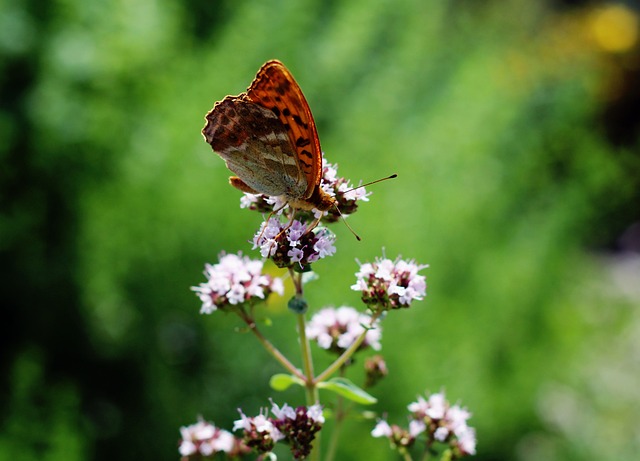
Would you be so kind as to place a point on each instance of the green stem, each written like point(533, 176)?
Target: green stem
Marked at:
point(270, 347)
point(333, 442)
point(337, 427)
point(346, 355)
point(310, 387)
point(307, 362)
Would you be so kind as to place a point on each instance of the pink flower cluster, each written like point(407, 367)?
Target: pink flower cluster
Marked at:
point(203, 439)
point(292, 245)
point(296, 427)
point(336, 329)
point(438, 421)
point(387, 284)
point(235, 280)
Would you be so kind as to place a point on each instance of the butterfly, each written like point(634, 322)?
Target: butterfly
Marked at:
point(268, 139)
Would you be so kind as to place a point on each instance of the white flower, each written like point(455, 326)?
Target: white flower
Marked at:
point(467, 441)
point(365, 271)
point(341, 327)
point(434, 407)
point(236, 279)
point(261, 423)
point(223, 442)
point(243, 423)
point(456, 419)
point(236, 294)
point(390, 284)
point(292, 243)
point(279, 203)
point(315, 413)
point(296, 254)
point(360, 285)
point(206, 448)
point(277, 286)
point(330, 171)
point(296, 231)
point(416, 427)
point(187, 448)
point(285, 412)
point(204, 438)
point(248, 199)
point(201, 430)
point(437, 406)
point(441, 434)
point(419, 407)
point(384, 270)
point(382, 429)
point(318, 214)
point(324, 245)
point(356, 193)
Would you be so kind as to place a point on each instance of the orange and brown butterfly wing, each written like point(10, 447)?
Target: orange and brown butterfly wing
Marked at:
point(274, 88)
point(255, 146)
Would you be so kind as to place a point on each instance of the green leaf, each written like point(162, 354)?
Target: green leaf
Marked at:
point(281, 382)
point(347, 389)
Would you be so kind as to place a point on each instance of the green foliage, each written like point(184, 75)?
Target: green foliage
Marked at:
point(282, 382)
point(346, 388)
point(111, 203)
point(42, 422)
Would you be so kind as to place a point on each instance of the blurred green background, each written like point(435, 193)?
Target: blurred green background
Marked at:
point(512, 125)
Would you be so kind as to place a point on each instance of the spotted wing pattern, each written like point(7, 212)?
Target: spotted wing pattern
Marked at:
point(255, 146)
point(268, 138)
point(275, 88)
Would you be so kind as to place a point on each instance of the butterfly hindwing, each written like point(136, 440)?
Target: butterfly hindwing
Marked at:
point(255, 147)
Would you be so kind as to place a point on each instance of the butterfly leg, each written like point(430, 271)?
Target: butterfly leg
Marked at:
point(313, 224)
point(277, 210)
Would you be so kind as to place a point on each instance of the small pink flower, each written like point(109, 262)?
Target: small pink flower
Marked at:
point(337, 328)
point(235, 280)
point(292, 245)
point(204, 439)
point(438, 421)
point(387, 284)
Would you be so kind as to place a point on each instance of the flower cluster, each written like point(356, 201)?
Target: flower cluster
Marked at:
point(259, 432)
point(336, 329)
point(387, 284)
point(375, 369)
point(438, 421)
point(203, 439)
point(296, 427)
point(347, 197)
point(235, 280)
point(291, 245)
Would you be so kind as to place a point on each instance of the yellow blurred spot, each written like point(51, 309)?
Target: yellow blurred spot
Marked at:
point(615, 28)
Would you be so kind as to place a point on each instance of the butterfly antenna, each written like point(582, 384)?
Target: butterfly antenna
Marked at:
point(370, 183)
point(347, 224)
point(358, 187)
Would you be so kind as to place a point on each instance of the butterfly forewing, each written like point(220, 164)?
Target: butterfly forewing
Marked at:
point(275, 89)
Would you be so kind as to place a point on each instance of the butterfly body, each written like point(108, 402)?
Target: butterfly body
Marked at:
point(268, 138)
